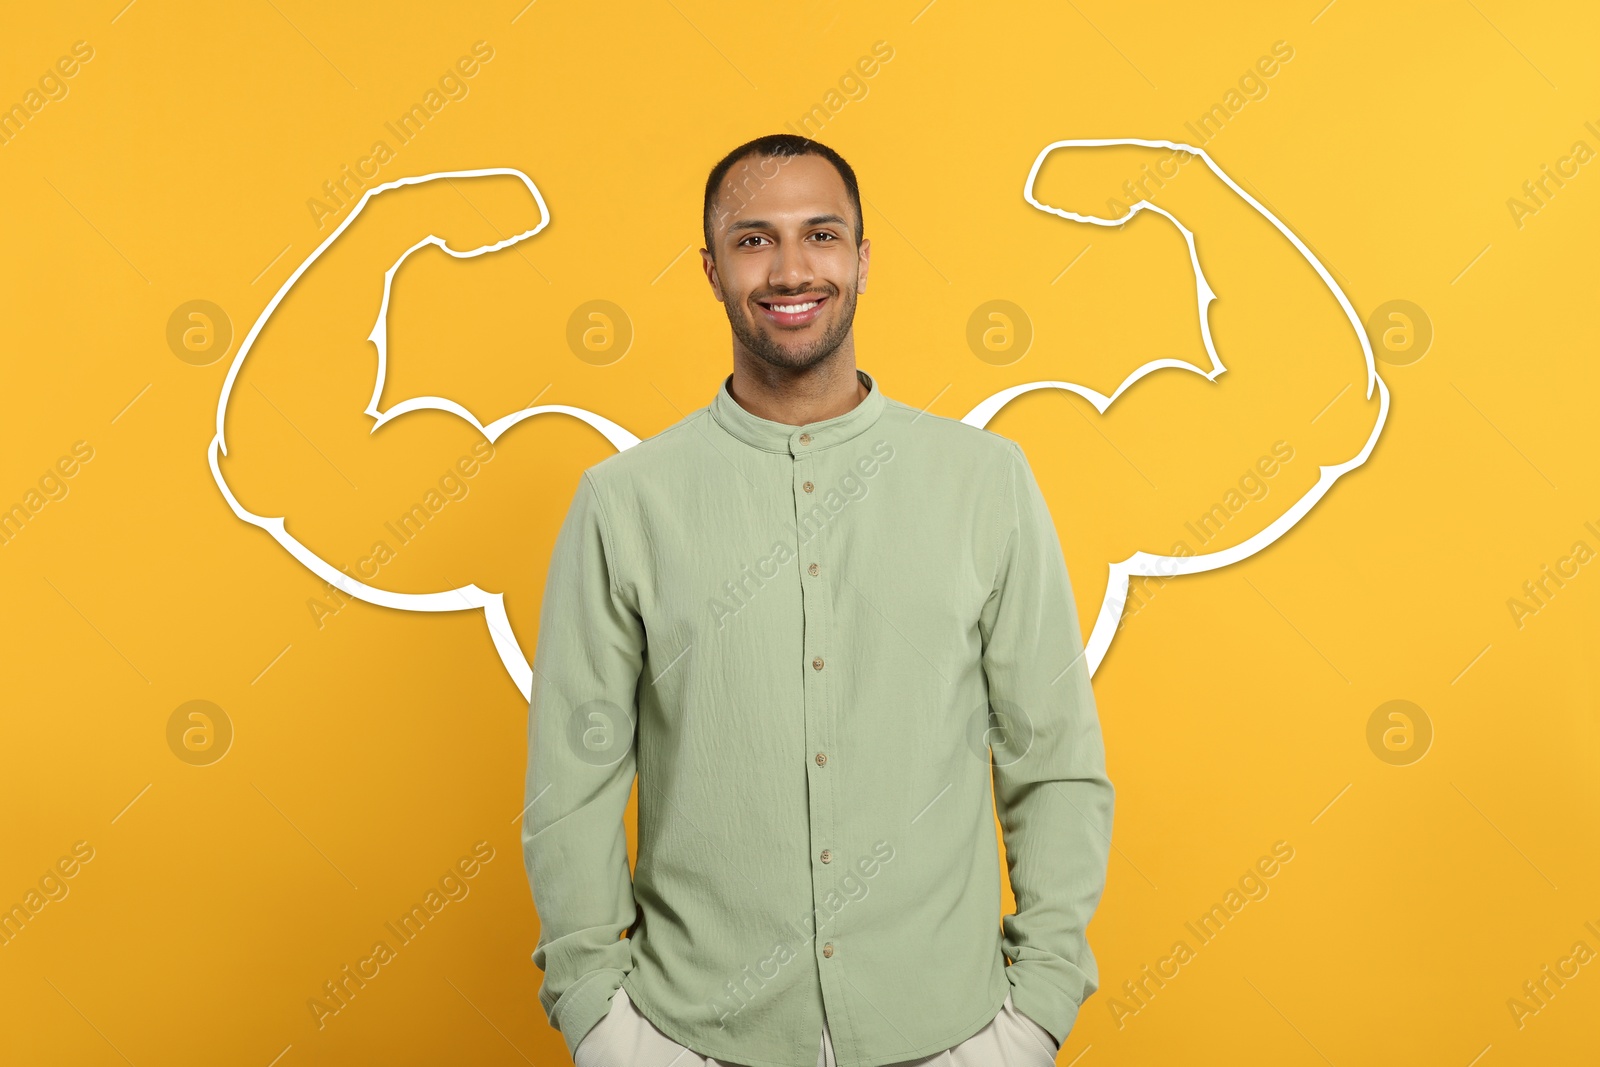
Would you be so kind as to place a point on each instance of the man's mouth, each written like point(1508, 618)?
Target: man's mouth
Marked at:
point(792, 311)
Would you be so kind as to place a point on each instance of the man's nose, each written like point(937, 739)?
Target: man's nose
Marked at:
point(791, 268)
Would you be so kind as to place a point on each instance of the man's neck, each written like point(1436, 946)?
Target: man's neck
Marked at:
point(797, 398)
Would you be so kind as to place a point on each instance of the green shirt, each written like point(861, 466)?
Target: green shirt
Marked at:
point(804, 640)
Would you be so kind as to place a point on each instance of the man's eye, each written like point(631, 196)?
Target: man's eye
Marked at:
point(752, 237)
point(829, 236)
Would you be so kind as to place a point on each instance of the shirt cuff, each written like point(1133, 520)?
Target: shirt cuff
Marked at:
point(1043, 1003)
point(584, 1005)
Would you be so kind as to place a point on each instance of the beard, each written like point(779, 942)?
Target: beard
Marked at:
point(793, 357)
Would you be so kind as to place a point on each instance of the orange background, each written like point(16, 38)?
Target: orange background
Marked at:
point(372, 749)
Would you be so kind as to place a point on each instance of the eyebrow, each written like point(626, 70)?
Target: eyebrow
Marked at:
point(763, 224)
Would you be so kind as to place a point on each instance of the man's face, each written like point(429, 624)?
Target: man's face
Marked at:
point(784, 261)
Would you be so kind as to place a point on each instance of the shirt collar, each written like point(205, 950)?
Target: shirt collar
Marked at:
point(781, 437)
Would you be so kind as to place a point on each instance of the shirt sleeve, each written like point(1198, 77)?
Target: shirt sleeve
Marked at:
point(581, 766)
point(1051, 791)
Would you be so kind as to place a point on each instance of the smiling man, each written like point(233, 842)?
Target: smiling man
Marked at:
point(820, 626)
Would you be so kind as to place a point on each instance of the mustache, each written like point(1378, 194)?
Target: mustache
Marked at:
point(825, 290)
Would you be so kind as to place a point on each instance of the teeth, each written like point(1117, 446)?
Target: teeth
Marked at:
point(794, 309)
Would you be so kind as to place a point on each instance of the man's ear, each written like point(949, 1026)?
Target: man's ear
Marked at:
point(708, 263)
point(865, 253)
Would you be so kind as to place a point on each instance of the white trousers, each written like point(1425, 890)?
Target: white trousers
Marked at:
point(625, 1038)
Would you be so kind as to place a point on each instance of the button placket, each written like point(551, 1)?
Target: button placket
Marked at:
point(817, 618)
point(818, 461)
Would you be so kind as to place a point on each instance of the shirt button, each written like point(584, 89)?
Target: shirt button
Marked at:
point(812, 569)
point(827, 950)
point(827, 856)
point(816, 663)
point(808, 487)
point(805, 439)
point(822, 757)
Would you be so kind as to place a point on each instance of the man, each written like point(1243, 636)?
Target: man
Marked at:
point(814, 621)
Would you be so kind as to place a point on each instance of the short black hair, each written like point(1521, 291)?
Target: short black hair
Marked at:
point(780, 146)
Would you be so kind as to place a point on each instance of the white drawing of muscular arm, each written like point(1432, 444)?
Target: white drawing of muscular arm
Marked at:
point(324, 340)
point(1247, 268)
